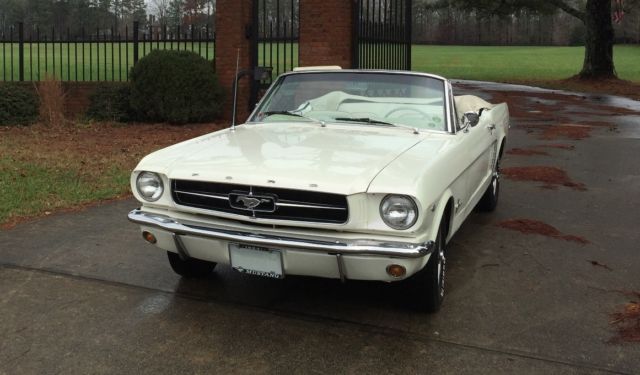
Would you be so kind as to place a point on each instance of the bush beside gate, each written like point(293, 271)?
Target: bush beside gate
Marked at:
point(175, 86)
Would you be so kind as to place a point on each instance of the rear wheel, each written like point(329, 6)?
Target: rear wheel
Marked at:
point(190, 267)
point(430, 281)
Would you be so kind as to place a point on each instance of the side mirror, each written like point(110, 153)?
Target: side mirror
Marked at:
point(471, 118)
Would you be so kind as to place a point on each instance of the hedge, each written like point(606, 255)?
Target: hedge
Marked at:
point(18, 103)
point(110, 102)
point(175, 86)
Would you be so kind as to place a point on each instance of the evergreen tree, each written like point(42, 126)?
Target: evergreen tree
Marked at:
point(175, 12)
point(138, 10)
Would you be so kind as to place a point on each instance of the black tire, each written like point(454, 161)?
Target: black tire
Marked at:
point(190, 268)
point(430, 281)
point(489, 200)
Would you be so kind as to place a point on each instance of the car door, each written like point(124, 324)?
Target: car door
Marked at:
point(482, 145)
point(478, 144)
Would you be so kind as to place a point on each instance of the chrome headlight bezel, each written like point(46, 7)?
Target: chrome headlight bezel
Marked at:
point(152, 180)
point(404, 201)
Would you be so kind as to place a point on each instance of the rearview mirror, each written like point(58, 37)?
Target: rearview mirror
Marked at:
point(471, 118)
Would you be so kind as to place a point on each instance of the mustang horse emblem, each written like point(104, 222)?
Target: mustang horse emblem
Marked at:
point(250, 202)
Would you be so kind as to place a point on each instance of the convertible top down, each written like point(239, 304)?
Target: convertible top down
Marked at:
point(345, 174)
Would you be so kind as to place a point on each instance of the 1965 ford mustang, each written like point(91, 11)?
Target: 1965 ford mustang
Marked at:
point(345, 174)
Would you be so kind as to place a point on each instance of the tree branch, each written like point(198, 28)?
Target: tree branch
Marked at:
point(569, 9)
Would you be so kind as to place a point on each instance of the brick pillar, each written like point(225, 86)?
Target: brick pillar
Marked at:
point(326, 29)
point(232, 19)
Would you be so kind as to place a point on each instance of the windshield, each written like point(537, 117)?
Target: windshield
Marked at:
point(374, 99)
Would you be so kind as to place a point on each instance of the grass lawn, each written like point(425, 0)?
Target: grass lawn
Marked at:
point(44, 169)
point(84, 61)
point(526, 63)
point(112, 61)
point(99, 61)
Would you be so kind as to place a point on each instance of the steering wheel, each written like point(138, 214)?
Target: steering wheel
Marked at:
point(424, 115)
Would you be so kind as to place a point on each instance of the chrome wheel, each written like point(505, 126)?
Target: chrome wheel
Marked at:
point(496, 178)
point(489, 200)
point(442, 267)
point(429, 283)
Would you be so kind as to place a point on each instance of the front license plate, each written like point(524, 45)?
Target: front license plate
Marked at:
point(256, 260)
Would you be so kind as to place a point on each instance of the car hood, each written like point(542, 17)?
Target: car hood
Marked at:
point(341, 159)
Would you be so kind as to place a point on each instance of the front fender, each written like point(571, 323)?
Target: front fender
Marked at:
point(438, 216)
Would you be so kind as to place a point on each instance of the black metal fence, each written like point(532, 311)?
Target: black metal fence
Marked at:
point(275, 36)
point(382, 34)
point(103, 54)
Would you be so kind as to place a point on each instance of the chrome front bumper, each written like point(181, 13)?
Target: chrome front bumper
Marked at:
point(336, 247)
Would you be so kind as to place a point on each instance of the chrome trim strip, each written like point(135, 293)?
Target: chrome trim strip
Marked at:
point(449, 101)
point(182, 250)
point(343, 277)
point(217, 196)
point(343, 247)
point(279, 204)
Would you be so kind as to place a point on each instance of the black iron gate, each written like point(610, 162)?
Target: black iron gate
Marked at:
point(275, 38)
point(382, 34)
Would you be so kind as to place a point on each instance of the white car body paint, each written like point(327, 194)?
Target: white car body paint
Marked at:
point(360, 161)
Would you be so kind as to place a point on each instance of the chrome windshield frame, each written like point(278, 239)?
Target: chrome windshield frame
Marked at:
point(447, 90)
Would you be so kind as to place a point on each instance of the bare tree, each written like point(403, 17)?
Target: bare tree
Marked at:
point(160, 8)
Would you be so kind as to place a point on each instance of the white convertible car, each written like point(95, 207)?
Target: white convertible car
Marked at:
point(344, 174)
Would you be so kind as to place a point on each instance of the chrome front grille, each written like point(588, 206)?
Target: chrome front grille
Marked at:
point(262, 202)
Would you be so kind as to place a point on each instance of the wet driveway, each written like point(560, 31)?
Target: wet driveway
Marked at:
point(531, 287)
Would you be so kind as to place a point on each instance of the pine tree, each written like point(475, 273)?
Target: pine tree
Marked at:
point(175, 12)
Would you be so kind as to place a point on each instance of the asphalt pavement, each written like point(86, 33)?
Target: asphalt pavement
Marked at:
point(82, 293)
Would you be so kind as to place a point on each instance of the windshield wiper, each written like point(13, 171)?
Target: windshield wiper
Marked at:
point(368, 120)
point(291, 113)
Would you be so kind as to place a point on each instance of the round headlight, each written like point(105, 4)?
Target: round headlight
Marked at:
point(398, 211)
point(149, 186)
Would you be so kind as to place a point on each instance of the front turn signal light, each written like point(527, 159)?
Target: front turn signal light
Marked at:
point(149, 237)
point(396, 270)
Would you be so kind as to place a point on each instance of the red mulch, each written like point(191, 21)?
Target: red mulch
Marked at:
point(126, 141)
point(559, 146)
point(550, 176)
point(525, 152)
point(603, 124)
point(627, 321)
point(529, 226)
point(569, 131)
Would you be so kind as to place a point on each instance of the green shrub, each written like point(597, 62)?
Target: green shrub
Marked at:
point(110, 102)
point(18, 103)
point(176, 87)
